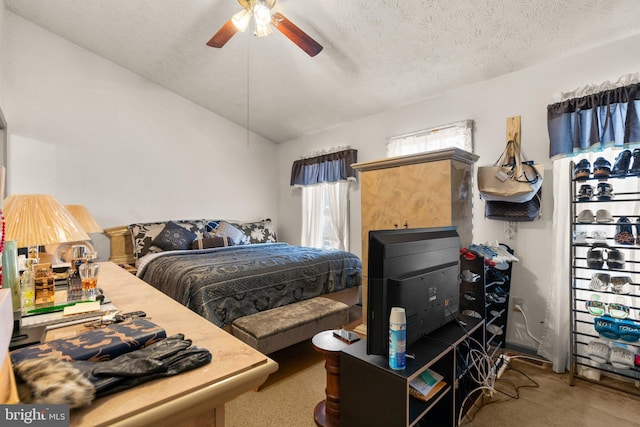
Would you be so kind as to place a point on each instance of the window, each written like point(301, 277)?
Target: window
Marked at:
point(454, 135)
point(324, 180)
point(325, 215)
point(330, 238)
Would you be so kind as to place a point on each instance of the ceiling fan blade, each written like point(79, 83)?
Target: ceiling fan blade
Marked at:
point(223, 35)
point(295, 34)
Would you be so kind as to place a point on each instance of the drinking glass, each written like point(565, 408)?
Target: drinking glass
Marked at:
point(89, 276)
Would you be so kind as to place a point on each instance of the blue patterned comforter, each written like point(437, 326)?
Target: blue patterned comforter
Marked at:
point(223, 284)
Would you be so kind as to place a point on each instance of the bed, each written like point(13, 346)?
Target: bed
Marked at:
point(224, 270)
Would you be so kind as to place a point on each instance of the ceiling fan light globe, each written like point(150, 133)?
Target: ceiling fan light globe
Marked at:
point(263, 30)
point(242, 19)
point(262, 14)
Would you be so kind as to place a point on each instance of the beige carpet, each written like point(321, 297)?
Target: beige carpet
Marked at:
point(554, 402)
point(289, 396)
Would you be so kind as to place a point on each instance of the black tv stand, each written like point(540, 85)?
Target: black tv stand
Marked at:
point(372, 394)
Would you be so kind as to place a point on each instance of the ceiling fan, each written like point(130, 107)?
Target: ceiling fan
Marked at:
point(264, 18)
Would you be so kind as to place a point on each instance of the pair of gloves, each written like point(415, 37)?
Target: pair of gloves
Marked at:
point(163, 358)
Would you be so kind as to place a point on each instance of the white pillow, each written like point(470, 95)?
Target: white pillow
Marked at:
point(224, 229)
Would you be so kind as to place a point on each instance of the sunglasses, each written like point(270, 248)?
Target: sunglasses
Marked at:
point(614, 309)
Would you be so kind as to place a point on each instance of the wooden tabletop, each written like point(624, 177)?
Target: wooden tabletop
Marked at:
point(325, 342)
point(235, 367)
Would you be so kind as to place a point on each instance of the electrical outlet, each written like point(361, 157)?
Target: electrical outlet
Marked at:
point(517, 301)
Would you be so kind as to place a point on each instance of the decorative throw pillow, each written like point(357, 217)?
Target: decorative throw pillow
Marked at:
point(258, 231)
point(211, 242)
point(143, 234)
point(224, 229)
point(174, 237)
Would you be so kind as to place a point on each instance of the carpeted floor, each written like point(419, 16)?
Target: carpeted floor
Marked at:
point(553, 402)
point(289, 396)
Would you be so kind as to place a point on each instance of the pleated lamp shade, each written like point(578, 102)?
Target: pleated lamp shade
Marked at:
point(84, 217)
point(39, 219)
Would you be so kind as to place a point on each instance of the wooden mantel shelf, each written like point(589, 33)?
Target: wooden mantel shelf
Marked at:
point(412, 159)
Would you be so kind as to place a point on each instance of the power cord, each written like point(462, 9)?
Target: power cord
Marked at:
point(533, 384)
point(479, 366)
point(526, 323)
point(510, 381)
point(484, 372)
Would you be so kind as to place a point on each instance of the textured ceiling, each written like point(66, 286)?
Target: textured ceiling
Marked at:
point(378, 54)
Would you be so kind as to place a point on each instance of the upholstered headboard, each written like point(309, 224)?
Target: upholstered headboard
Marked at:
point(128, 243)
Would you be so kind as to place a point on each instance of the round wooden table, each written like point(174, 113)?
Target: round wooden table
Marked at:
point(327, 412)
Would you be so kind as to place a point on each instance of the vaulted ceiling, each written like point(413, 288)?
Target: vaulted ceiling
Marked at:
point(378, 54)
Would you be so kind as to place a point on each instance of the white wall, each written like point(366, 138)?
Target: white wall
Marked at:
point(524, 93)
point(90, 132)
point(2, 54)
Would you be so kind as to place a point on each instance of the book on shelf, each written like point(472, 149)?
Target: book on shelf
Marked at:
point(426, 385)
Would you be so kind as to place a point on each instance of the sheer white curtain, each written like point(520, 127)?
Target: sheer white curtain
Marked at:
point(554, 344)
point(338, 197)
point(312, 215)
point(325, 215)
point(324, 179)
point(458, 135)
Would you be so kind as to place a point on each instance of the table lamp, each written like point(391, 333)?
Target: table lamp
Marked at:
point(89, 225)
point(39, 219)
point(83, 216)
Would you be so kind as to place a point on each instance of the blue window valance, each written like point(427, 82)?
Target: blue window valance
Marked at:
point(331, 167)
point(594, 122)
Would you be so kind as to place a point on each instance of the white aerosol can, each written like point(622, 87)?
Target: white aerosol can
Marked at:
point(397, 338)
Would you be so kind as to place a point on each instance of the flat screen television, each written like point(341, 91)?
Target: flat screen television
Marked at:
point(417, 269)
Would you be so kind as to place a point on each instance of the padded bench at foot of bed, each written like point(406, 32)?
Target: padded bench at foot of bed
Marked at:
point(275, 329)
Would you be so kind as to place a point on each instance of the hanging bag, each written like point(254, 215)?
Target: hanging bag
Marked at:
point(517, 212)
point(510, 178)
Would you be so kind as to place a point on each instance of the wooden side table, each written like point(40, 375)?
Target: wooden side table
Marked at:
point(130, 268)
point(121, 245)
point(327, 412)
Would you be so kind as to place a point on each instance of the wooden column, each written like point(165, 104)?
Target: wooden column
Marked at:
point(327, 412)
